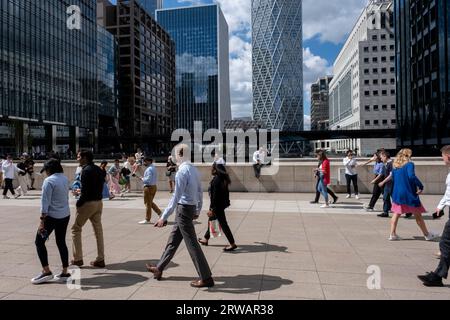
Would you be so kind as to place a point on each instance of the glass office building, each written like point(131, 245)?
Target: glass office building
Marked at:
point(107, 75)
point(48, 72)
point(146, 76)
point(202, 64)
point(423, 74)
point(277, 64)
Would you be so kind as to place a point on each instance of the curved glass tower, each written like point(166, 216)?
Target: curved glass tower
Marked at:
point(278, 64)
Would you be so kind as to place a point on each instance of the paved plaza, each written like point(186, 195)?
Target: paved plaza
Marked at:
point(288, 249)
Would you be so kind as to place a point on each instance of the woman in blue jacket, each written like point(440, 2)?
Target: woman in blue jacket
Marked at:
point(405, 194)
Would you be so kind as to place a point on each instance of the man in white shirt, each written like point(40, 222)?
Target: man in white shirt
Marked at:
point(351, 175)
point(434, 279)
point(259, 158)
point(188, 202)
point(9, 170)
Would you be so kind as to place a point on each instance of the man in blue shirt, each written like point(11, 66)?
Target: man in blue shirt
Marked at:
point(379, 171)
point(188, 201)
point(150, 180)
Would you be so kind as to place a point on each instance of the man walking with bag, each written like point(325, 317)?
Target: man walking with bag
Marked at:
point(89, 207)
point(188, 201)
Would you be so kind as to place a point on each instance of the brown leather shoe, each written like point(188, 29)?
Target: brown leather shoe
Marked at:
point(208, 283)
point(153, 269)
point(77, 263)
point(98, 264)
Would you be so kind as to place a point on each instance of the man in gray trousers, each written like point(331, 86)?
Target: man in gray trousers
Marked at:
point(434, 279)
point(188, 201)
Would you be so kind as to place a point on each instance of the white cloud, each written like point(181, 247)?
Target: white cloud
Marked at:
point(330, 20)
point(314, 67)
point(307, 122)
point(191, 2)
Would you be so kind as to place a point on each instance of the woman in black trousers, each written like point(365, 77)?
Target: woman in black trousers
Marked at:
point(220, 200)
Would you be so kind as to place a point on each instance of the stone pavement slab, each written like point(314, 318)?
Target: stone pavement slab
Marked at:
point(288, 249)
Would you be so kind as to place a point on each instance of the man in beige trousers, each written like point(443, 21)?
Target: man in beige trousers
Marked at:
point(150, 180)
point(89, 207)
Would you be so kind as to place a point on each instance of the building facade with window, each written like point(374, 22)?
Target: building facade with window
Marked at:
point(362, 93)
point(277, 59)
point(108, 94)
point(48, 76)
point(319, 104)
point(146, 76)
point(423, 74)
point(202, 64)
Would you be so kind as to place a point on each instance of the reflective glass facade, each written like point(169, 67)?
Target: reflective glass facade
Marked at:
point(146, 74)
point(202, 64)
point(47, 71)
point(107, 75)
point(423, 73)
point(277, 64)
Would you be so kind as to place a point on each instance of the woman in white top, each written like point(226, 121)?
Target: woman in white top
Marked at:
point(351, 175)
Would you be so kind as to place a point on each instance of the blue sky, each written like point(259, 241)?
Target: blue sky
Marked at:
point(326, 24)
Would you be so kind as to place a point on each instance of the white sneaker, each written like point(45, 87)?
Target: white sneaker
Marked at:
point(144, 222)
point(431, 236)
point(357, 197)
point(325, 206)
point(43, 277)
point(394, 238)
point(348, 196)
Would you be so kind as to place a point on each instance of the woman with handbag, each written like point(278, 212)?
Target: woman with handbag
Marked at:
point(323, 173)
point(114, 177)
point(171, 172)
point(220, 200)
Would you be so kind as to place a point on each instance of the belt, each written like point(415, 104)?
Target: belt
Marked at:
point(149, 186)
point(187, 205)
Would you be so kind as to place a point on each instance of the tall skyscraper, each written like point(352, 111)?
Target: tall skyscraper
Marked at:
point(202, 64)
point(319, 104)
point(48, 76)
point(362, 92)
point(277, 64)
point(146, 75)
point(423, 74)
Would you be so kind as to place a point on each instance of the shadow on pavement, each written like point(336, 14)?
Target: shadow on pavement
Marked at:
point(258, 247)
point(338, 206)
point(242, 284)
point(112, 280)
point(136, 265)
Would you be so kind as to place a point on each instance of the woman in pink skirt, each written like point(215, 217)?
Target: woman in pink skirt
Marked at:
point(405, 194)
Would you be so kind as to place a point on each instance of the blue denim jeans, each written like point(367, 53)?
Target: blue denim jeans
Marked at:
point(322, 188)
